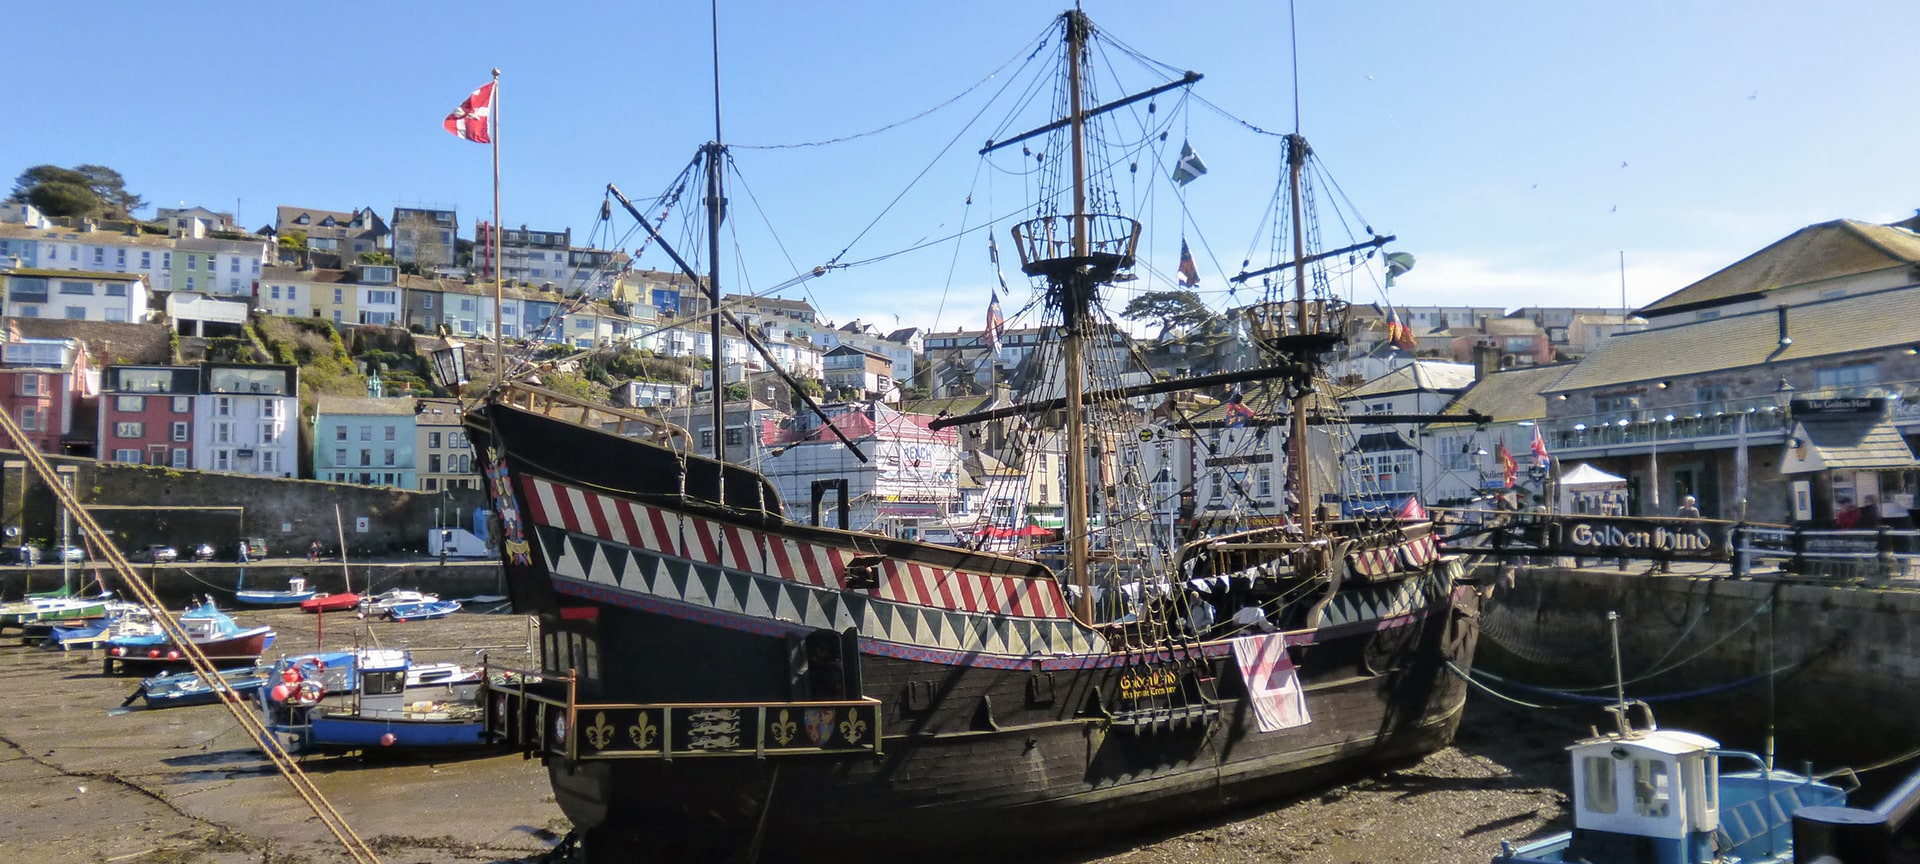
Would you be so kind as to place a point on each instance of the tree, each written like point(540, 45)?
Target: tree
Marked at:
point(1170, 310)
point(84, 190)
point(376, 258)
point(294, 241)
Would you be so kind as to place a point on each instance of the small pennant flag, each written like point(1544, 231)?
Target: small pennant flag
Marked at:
point(470, 120)
point(1398, 333)
point(1189, 275)
point(1189, 168)
point(995, 324)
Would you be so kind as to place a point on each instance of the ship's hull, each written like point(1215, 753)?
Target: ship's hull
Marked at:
point(1002, 721)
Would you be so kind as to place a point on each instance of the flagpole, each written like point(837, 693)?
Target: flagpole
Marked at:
point(499, 287)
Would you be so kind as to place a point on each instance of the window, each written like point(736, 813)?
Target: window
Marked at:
point(116, 289)
point(223, 433)
point(223, 406)
point(146, 260)
point(1652, 788)
point(180, 430)
point(340, 432)
point(433, 440)
point(32, 419)
point(339, 455)
point(269, 433)
point(80, 289)
point(274, 291)
point(30, 385)
point(270, 461)
point(182, 404)
point(389, 432)
point(189, 283)
point(270, 409)
point(234, 265)
point(1845, 376)
point(127, 456)
point(179, 457)
point(99, 256)
point(733, 437)
point(76, 313)
point(433, 463)
point(706, 439)
point(120, 258)
point(366, 433)
point(366, 458)
point(387, 457)
point(211, 266)
point(291, 290)
point(426, 301)
point(456, 439)
point(222, 460)
point(193, 261)
point(130, 404)
point(338, 295)
point(1617, 404)
point(127, 430)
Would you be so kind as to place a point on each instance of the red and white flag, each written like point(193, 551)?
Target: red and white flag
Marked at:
point(1273, 687)
point(1539, 446)
point(470, 120)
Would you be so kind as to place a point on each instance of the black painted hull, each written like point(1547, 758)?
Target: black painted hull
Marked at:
point(979, 751)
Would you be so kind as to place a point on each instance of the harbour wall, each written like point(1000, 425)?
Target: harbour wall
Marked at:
point(140, 505)
point(1834, 669)
point(178, 584)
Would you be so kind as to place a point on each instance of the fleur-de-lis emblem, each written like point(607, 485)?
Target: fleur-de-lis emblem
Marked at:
point(853, 727)
point(600, 734)
point(643, 732)
point(784, 728)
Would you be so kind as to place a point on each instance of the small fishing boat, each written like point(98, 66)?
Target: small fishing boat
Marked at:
point(296, 594)
point(138, 639)
point(390, 706)
point(40, 610)
point(423, 611)
point(167, 690)
point(325, 602)
point(378, 604)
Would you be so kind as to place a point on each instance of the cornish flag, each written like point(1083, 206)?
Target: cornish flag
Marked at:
point(469, 121)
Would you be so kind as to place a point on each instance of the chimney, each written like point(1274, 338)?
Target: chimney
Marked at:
point(1486, 358)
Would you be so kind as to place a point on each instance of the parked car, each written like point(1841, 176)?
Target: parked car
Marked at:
point(204, 552)
point(70, 554)
point(158, 553)
point(24, 554)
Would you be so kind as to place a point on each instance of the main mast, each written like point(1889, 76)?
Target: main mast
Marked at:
point(1074, 308)
point(1297, 151)
point(716, 214)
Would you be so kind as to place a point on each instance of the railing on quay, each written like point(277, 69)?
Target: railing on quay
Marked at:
point(1878, 553)
point(1647, 426)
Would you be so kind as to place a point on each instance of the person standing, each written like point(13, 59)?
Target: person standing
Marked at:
point(243, 552)
point(1689, 508)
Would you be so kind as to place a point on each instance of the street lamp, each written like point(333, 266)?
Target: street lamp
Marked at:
point(450, 365)
point(1783, 394)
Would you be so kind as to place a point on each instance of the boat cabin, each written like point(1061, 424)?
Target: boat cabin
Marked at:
point(1651, 794)
point(383, 682)
point(1646, 795)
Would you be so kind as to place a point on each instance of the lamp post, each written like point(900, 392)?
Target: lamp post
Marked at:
point(450, 365)
point(1783, 396)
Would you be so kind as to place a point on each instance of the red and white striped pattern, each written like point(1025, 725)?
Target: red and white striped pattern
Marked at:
point(733, 547)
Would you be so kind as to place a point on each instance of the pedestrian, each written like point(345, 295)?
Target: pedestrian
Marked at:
point(313, 551)
point(243, 552)
point(1689, 508)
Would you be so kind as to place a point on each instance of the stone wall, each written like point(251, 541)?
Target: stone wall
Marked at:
point(184, 508)
point(1846, 659)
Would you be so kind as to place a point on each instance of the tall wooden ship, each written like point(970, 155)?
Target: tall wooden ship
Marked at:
point(718, 676)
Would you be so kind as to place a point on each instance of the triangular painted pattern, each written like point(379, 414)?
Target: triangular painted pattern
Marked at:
point(588, 559)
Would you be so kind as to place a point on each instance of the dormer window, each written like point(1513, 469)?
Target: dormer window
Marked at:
point(302, 219)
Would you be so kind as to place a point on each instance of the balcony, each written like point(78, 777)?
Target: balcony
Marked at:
point(1707, 425)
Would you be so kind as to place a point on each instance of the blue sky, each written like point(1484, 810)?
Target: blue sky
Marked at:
point(1516, 149)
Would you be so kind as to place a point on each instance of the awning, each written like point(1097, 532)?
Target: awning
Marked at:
point(1851, 444)
point(1585, 474)
point(1047, 521)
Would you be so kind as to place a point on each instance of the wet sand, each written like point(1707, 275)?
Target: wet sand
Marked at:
point(81, 783)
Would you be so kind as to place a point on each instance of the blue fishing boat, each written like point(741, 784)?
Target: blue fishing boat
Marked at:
point(167, 690)
point(392, 705)
point(422, 611)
